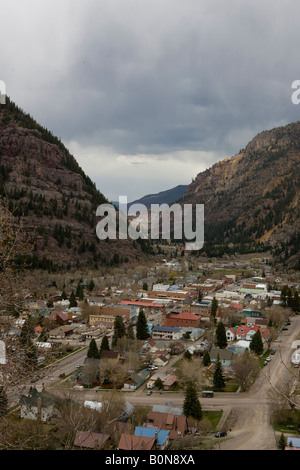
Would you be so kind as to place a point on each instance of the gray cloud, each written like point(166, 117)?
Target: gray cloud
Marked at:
point(142, 84)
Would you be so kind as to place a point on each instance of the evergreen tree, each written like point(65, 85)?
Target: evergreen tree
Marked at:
point(218, 378)
point(200, 295)
point(256, 344)
point(206, 359)
point(91, 285)
point(214, 309)
point(221, 336)
point(191, 405)
point(119, 330)
point(72, 300)
point(284, 295)
point(3, 402)
point(93, 350)
point(141, 326)
point(187, 355)
point(64, 295)
point(158, 383)
point(79, 292)
point(104, 344)
point(281, 442)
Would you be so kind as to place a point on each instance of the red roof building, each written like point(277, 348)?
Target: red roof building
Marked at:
point(183, 319)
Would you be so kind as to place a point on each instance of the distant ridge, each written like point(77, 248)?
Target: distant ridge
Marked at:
point(170, 196)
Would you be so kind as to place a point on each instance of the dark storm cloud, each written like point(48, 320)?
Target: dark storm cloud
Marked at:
point(142, 83)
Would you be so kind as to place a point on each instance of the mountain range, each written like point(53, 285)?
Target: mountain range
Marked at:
point(45, 189)
point(251, 200)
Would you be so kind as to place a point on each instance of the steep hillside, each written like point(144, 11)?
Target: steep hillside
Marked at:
point(252, 199)
point(46, 189)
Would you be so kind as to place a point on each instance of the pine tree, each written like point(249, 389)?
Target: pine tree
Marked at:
point(141, 326)
point(206, 359)
point(119, 330)
point(281, 442)
point(218, 378)
point(72, 300)
point(221, 336)
point(63, 295)
point(104, 344)
point(214, 309)
point(256, 344)
point(192, 406)
point(93, 350)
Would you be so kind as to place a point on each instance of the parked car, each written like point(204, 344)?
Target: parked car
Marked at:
point(221, 434)
point(149, 392)
point(273, 352)
point(284, 329)
point(265, 363)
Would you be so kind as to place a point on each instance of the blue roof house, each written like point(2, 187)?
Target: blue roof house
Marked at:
point(161, 435)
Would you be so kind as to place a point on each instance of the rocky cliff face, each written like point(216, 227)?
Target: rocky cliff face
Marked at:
point(252, 198)
point(52, 197)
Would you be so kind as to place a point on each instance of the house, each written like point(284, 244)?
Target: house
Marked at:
point(38, 406)
point(135, 380)
point(161, 360)
point(61, 318)
point(176, 424)
point(91, 440)
point(230, 334)
point(224, 355)
point(161, 436)
point(177, 349)
point(132, 442)
point(89, 373)
point(168, 380)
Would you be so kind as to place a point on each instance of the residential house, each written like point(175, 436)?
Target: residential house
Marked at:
point(168, 380)
point(132, 442)
point(37, 406)
point(176, 424)
point(161, 436)
point(160, 360)
point(177, 349)
point(89, 373)
point(61, 318)
point(135, 380)
point(224, 355)
point(230, 334)
point(91, 440)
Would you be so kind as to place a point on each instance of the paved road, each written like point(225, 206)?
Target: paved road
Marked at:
point(251, 410)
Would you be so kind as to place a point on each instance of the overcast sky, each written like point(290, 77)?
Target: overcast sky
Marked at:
point(148, 93)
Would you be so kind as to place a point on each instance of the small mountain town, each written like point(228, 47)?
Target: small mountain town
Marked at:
point(164, 357)
point(149, 230)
